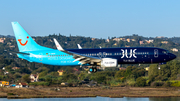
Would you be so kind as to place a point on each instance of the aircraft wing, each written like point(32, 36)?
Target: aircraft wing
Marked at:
point(78, 57)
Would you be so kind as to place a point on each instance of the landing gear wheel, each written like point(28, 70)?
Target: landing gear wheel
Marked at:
point(159, 67)
point(93, 69)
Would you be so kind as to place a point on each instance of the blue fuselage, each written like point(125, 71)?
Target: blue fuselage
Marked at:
point(130, 55)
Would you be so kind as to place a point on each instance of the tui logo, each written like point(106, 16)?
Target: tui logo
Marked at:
point(132, 53)
point(23, 44)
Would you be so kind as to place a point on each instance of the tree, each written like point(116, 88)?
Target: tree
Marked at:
point(138, 72)
point(48, 79)
point(120, 73)
point(101, 78)
point(174, 67)
point(32, 66)
point(141, 82)
point(153, 70)
point(66, 77)
point(26, 78)
point(25, 70)
point(42, 74)
point(17, 75)
point(82, 76)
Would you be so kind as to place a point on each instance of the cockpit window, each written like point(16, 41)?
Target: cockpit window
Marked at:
point(164, 52)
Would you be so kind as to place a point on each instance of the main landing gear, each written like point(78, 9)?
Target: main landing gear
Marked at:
point(93, 69)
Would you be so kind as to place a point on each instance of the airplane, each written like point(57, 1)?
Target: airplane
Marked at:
point(98, 57)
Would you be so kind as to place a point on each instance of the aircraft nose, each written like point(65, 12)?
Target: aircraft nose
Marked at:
point(172, 56)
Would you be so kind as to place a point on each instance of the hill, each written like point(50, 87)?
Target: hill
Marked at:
point(16, 70)
point(171, 44)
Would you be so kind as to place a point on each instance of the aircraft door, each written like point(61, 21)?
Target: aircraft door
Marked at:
point(155, 53)
point(40, 56)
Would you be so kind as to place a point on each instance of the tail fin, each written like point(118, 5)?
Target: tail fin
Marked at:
point(79, 46)
point(24, 40)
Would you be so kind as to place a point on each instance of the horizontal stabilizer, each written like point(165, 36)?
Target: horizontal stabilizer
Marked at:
point(23, 53)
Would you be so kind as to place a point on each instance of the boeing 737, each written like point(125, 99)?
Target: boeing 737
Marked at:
point(102, 57)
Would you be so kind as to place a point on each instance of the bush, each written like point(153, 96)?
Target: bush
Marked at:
point(141, 82)
point(101, 79)
point(161, 78)
point(131, 82)
point(70, 84)
point(175, 83)
point(151, 79)
point(39, 84)
point(114, 82)
point(33, 83)
point(157, 83)
point(167, 84)
point(10, 94)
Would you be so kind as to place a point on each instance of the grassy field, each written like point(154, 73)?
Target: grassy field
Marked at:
point(49, 92)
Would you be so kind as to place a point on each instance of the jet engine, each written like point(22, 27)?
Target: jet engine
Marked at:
point(108, 62)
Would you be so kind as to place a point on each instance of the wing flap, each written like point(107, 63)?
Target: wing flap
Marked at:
point(78, 57)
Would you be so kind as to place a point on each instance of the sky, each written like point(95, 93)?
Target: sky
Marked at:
point(92, 18)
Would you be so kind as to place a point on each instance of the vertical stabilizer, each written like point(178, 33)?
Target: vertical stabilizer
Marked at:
point(79, 46)
point(24, 40)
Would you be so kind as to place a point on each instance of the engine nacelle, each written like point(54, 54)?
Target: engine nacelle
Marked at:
point(108, 62)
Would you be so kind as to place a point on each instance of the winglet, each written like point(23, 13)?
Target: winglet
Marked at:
point(79, 46)
point(58, 45)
